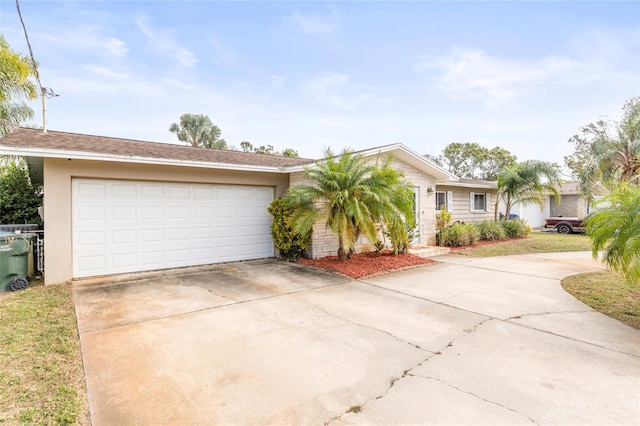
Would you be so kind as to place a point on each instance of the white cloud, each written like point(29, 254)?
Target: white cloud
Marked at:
point(162, 41)
point(87, 38)
point(332, 89)
point(313, 24)
point(468, 74)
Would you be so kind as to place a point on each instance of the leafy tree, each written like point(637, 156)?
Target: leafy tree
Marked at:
point(15, 87)
point(606, 153)
point(289, 152)
point(19, 198)
point(473, 161)
point(614, 229)
point(246, 146)
point(496, 160)
point(198, 130)
point(351, 196)
point(527, 183)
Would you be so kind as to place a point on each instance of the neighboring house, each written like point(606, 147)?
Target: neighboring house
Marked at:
point(571, 204)
point(116, 205)
point(467, 200)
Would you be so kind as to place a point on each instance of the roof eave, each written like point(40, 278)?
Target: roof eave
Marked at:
point(79, 155)
point(408, 155)
point(468, 185)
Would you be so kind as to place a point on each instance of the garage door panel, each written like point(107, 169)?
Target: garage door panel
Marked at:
point(179, 192)
point(91, 190)
point(87, 214)
point(152, 191)
point(127, 226)
point(203, 192)
point(152, 260)
point(178, 234)
point(125, 190)
point(124, 260)
point(92, 238)
point(127, 213)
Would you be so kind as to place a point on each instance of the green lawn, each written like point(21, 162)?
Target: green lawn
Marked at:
point(536, 242)
point(608, 293)
point(41, 374)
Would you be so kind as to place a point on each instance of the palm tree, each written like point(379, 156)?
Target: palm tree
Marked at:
point(12, 114)
point(527, 183)
point(351, 196)
point(602, 159)
point(614, 229)
point(15, 85)
point(198, 130)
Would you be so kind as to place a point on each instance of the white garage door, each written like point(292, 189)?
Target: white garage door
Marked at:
point(126, 226)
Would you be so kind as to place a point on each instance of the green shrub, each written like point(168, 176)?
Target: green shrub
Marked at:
point(290, 243)
point(460, 235)
point(490, 230)
point(443, 217)
point(515, 228)
point(400, 235)
point(19, 198)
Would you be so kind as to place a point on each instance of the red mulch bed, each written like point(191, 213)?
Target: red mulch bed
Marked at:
point(367, 264)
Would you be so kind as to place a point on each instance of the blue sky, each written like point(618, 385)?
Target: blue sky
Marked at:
point(308, 75)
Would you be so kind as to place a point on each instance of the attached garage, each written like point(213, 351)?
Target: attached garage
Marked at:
point(115, 206)
point(129, 226)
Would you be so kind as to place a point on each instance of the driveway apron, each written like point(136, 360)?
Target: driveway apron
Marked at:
point(465, 341)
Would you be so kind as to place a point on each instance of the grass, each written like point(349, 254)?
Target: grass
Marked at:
point(41, 373)
point(536, 242)
point(608, 293)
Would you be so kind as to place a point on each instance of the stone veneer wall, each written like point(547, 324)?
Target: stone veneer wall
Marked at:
point(325, 243)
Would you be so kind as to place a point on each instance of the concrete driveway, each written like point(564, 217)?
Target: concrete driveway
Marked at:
point(466, 341)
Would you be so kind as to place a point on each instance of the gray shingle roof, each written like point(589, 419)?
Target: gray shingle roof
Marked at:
point(90, 144)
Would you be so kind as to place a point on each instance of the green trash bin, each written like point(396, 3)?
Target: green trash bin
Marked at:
point(14, 258)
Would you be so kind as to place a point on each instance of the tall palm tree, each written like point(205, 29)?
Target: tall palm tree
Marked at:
point(15, 87)
point(614, 230)
point(197, 130)
point(527, 183)
point(351, 196)
point(602, 159)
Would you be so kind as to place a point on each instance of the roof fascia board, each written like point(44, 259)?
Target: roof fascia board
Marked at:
point(389, 149)
point(75, 155)
point(467, 185)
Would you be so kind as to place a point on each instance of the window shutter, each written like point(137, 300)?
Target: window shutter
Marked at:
point(487, 202)
point(450, 201)
point(471, 201)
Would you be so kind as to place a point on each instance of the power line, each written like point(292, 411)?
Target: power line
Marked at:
point(26, 36)
point(45, 92)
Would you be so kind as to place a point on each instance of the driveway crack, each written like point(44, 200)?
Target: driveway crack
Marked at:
point(358, 408)
point(476, 396)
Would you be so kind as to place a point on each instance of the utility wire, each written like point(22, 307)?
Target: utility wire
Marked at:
point(26, 36)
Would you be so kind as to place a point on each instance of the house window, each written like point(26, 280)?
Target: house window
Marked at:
point(441, 200)
point(478, 202)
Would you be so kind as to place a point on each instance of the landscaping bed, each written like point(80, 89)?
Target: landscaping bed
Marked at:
point(363, 265)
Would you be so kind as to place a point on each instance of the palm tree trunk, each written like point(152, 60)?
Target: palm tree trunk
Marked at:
point(342, 255)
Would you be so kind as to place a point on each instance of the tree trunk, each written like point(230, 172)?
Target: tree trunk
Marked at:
point(342, 255)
